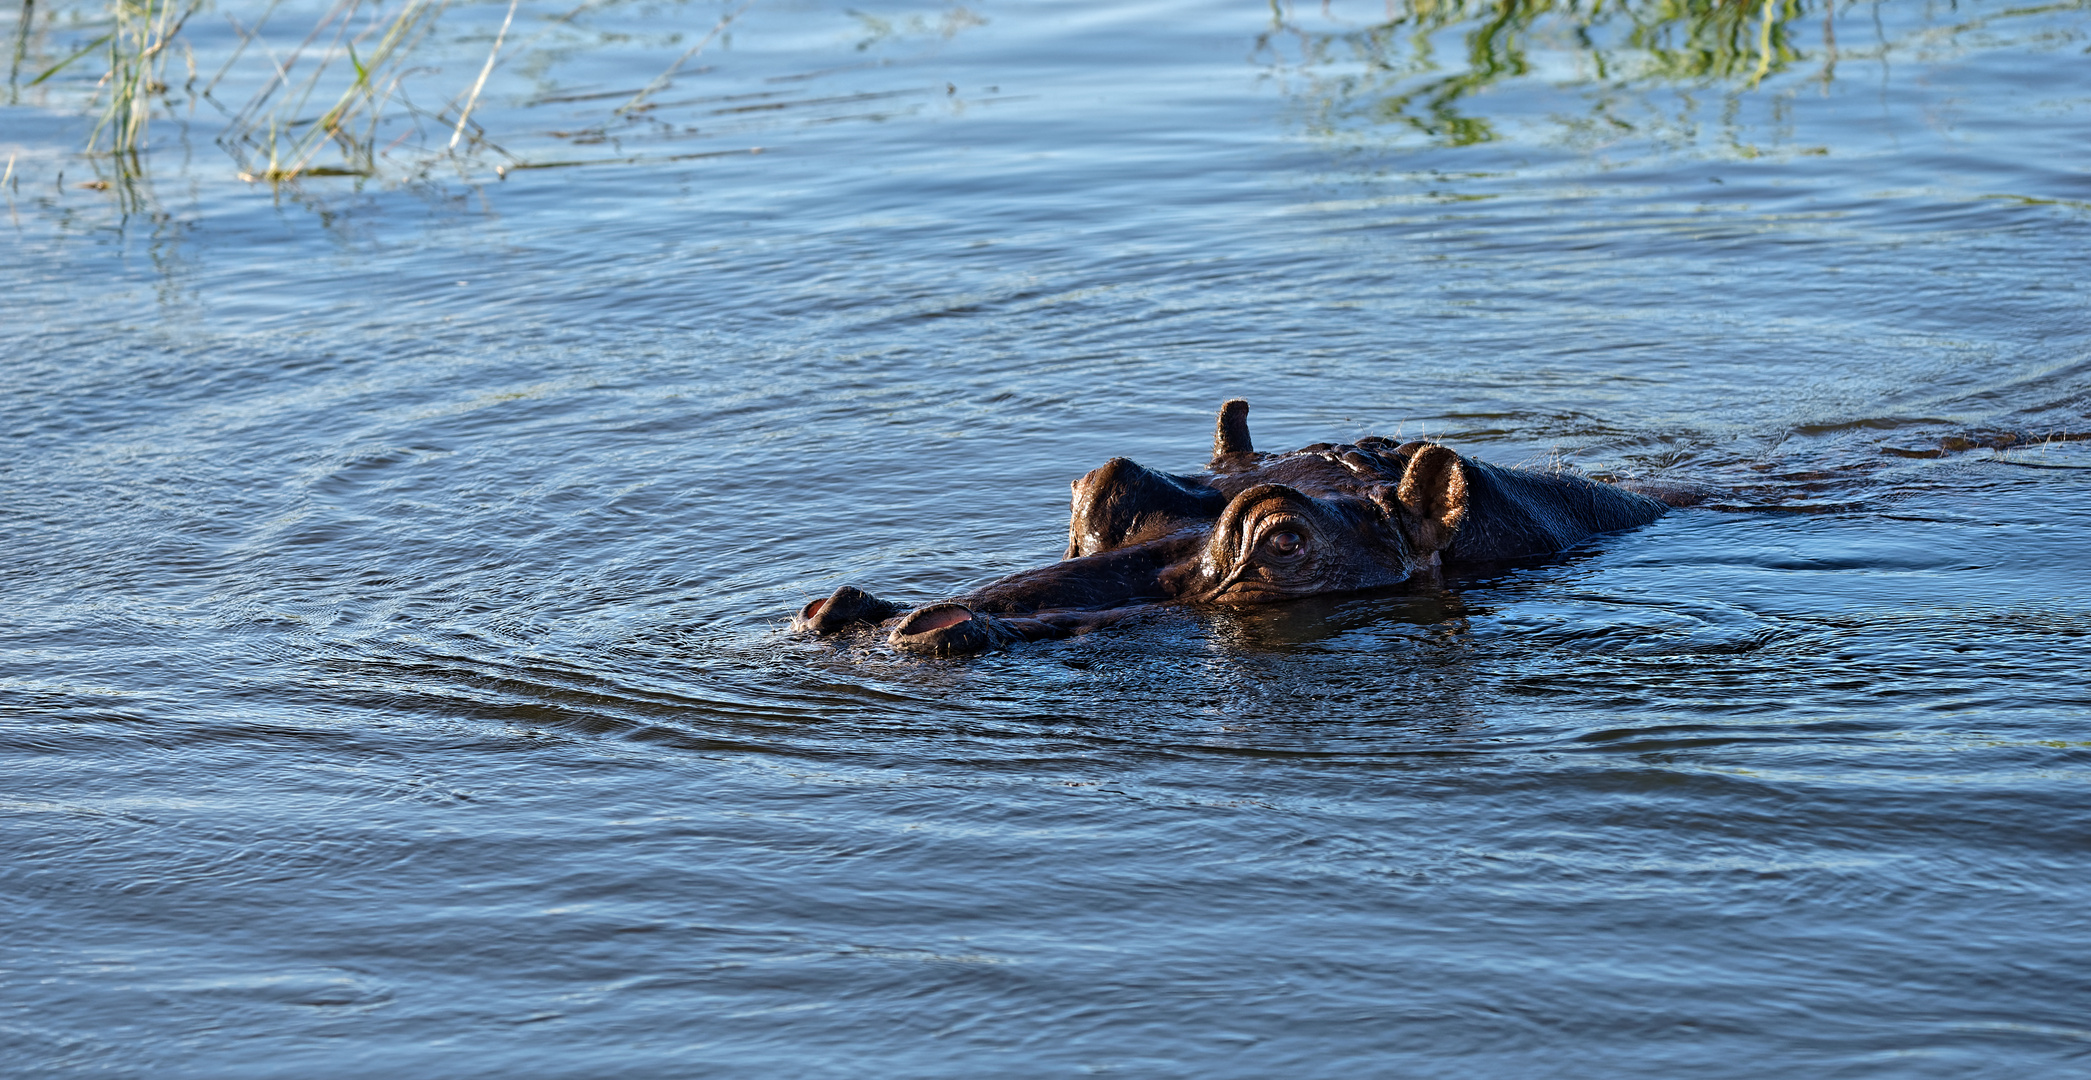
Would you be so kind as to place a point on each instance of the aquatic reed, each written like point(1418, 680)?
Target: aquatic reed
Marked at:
point(367, 65)
point(137, 59)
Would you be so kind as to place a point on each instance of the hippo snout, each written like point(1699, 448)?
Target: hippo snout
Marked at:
point(848, 606)
point(950, 629)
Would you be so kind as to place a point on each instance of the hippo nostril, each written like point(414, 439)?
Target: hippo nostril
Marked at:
point(849, 606)
point(931, 619)
point(946, 629)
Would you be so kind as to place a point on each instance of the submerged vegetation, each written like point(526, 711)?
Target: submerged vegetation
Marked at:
point(343, 94)
point(1425, 65)
point(399, 87)
point(270, 142)
point(1736, 42)
point(137, 50)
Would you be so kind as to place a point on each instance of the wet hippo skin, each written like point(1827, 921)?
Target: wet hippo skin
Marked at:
point(1257, 528)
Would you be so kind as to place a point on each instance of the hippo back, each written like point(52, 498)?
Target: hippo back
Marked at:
point(1518, 513)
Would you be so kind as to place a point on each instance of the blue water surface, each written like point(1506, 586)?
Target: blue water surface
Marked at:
point(394, 673)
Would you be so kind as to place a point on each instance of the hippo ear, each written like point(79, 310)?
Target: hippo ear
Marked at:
point(1433, 496)
point(1231, 434)
point(1122, 503)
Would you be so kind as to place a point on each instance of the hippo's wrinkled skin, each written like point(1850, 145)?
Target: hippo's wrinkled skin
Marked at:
point(1256, 528)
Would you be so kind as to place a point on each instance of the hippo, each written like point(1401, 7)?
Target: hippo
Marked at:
point(1258, 528)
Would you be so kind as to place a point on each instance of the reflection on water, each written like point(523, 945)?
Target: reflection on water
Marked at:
point(1430, 66)
point(1426, 605)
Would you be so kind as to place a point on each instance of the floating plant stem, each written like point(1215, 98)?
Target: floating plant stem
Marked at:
point(14, 68)
point(271, 121)
point(465, 113)
point(67, 62)
point(665, 77)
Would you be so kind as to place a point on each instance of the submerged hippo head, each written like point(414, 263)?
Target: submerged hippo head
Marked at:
point(1255, 528)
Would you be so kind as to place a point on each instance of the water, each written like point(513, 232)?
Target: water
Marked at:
point(393, 658)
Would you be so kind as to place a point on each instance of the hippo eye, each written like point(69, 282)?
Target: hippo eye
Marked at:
point(1283, 545)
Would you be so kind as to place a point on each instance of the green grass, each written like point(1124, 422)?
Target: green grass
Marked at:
point(357, 95)
point(357, 71)
point(347, 99)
